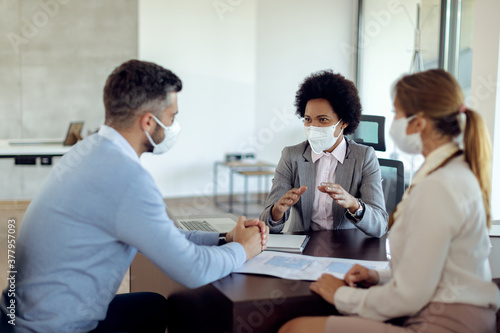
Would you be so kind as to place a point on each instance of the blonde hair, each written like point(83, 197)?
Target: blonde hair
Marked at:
point(437, 95)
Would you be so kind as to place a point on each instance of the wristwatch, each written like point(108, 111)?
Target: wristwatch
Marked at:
point(359, 212)
point(222, 239)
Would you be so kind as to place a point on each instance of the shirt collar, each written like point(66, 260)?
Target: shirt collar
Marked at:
point(434, 160)
point(338, 153)
point(112, 135)
point(442, 152)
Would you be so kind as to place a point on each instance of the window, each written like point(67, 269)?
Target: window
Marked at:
point(395, 34)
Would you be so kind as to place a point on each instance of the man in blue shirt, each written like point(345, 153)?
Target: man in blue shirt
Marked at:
point(98, 207)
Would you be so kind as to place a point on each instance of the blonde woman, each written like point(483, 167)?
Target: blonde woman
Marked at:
point(440, 278)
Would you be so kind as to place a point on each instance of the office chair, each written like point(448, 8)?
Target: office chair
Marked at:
point(393, 182)
point(370, 132)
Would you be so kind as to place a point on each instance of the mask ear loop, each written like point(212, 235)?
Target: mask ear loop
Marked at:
point(412, 165)
point(410, 118)
point(159, 122)
point(341, 130)
point(150, 139)
point(425, 123)
point(149, 136)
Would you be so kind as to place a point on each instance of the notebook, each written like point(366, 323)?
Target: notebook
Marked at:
point(287, 243)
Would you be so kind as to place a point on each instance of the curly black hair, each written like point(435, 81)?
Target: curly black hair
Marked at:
point(337, 90)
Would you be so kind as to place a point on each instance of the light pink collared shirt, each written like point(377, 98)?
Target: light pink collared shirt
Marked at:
point(326, 167)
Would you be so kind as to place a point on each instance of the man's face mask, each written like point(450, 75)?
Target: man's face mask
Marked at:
point(171, 134)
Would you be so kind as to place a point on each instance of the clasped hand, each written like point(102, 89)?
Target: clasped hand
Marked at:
point(252, 234)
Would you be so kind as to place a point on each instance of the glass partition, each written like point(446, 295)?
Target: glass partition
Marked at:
point(391, 34)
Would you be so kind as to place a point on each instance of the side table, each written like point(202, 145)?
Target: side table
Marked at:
point(247, 170)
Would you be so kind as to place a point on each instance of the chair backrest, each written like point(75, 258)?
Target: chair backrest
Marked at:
point(393, 182)
point(370, 132)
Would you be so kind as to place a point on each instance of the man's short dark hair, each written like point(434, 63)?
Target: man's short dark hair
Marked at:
point(337, 90)
point(136, 87)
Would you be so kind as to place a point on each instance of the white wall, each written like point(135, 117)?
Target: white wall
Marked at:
point(485, 92)
point(212, 50)
point(241, 63)
point(294, 39)
point(387, 50)
point(54, 59)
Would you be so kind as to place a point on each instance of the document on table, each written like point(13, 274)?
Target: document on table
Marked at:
point(301, 267)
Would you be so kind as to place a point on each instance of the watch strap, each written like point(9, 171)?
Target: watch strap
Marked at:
point(359, 212)
point(222, 239)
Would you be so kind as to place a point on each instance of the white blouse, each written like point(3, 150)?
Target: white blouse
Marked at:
point(439, 251)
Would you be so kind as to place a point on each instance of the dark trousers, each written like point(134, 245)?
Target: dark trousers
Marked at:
point(135, 313)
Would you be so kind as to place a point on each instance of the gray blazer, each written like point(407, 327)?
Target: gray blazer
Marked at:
point(359, 175)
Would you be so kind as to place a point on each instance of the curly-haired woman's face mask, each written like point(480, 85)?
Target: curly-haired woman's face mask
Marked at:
point(322, 138)
point(320, 125)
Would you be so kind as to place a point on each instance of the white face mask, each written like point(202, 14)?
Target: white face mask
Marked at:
point(407, 143)
point(171, 134)
point(322, 138)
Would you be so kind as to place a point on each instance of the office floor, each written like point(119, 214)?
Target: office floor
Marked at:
point(180, 207)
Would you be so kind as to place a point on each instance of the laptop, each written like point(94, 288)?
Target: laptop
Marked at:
point(220, 224)
point(277, 242)
point(72, 137)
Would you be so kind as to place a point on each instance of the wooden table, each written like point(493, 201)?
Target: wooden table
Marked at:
point(251, 303)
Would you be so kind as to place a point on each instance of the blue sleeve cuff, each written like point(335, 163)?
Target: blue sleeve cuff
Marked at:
point(240, 254)
point(201, 237)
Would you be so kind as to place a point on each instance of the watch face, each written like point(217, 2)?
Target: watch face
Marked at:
point(360, 210)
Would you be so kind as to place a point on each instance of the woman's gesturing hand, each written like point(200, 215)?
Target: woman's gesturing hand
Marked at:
point(289, 199)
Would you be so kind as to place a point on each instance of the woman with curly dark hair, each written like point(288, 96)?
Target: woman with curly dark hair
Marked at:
point(330, 182)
